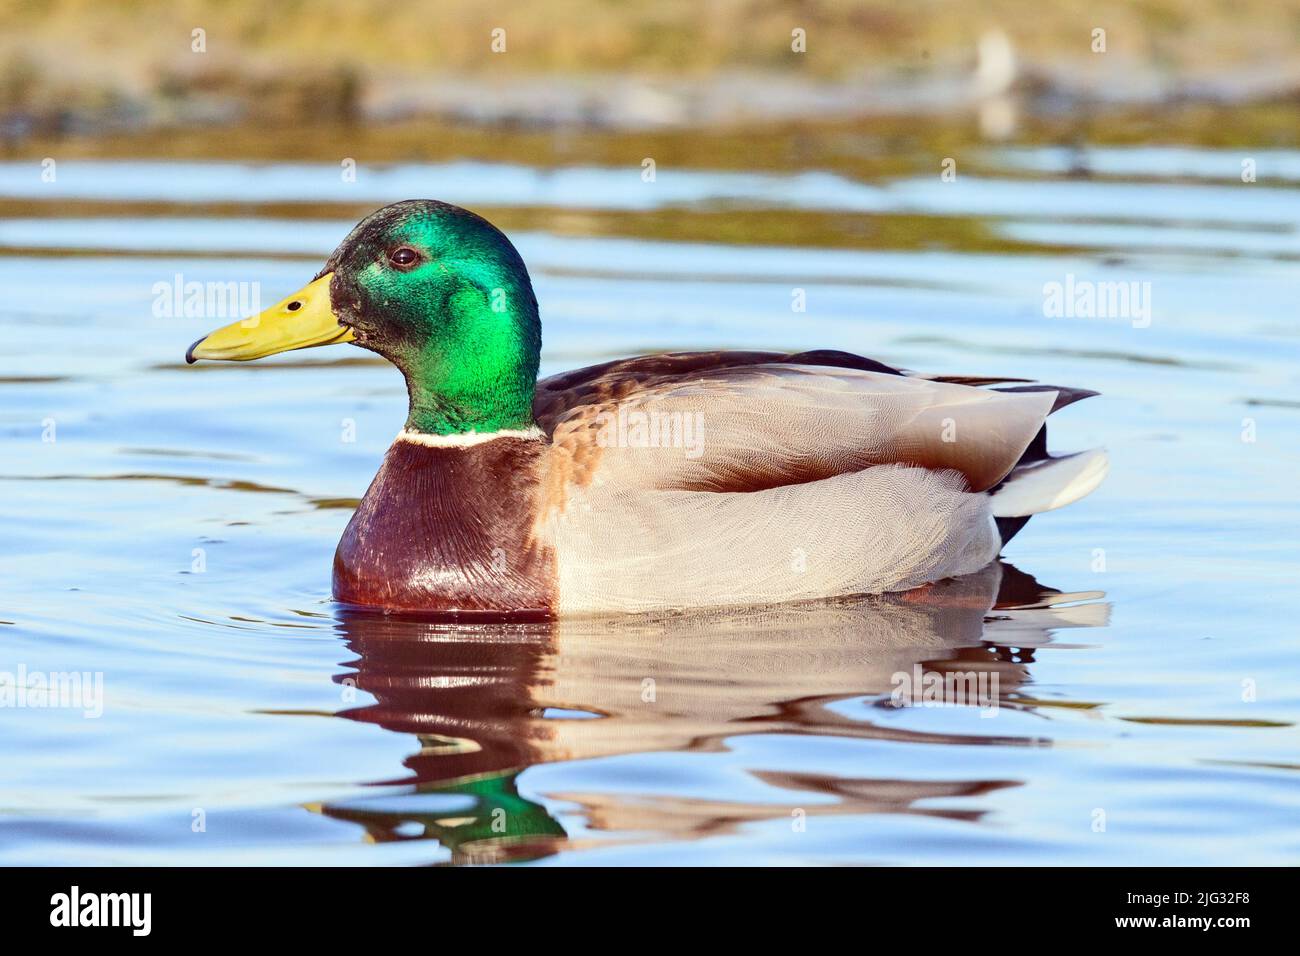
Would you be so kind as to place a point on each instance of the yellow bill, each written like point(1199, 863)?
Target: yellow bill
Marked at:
point(299, 322)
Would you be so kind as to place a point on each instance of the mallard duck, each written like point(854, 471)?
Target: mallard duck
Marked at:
point(681, 480)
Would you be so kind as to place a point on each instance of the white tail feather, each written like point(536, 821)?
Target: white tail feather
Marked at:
point(1053, 483)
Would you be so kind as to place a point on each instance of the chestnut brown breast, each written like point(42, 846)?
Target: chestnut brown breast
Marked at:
point(449, 529)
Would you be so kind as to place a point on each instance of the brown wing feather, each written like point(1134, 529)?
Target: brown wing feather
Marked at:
point(616, 380)
point(771, 419)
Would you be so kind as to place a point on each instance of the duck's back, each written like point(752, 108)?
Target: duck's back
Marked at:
point(700, 479)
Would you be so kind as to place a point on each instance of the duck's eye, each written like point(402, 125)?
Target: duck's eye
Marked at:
point(403, 257)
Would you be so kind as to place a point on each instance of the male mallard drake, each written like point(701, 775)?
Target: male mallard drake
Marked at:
point(679, 480)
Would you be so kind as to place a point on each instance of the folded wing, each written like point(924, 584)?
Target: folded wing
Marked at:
point(748, 421)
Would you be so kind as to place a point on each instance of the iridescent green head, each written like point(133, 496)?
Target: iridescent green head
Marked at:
point(443, 295)
point(439, 292)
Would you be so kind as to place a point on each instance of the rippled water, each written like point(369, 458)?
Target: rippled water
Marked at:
point(172, 529)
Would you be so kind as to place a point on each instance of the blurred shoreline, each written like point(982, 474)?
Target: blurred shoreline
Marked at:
point(624, 103)
point(82, 69)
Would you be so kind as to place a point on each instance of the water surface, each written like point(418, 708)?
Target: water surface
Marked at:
point(172, 529)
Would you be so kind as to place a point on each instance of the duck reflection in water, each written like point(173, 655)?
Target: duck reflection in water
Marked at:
point(488, 701)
